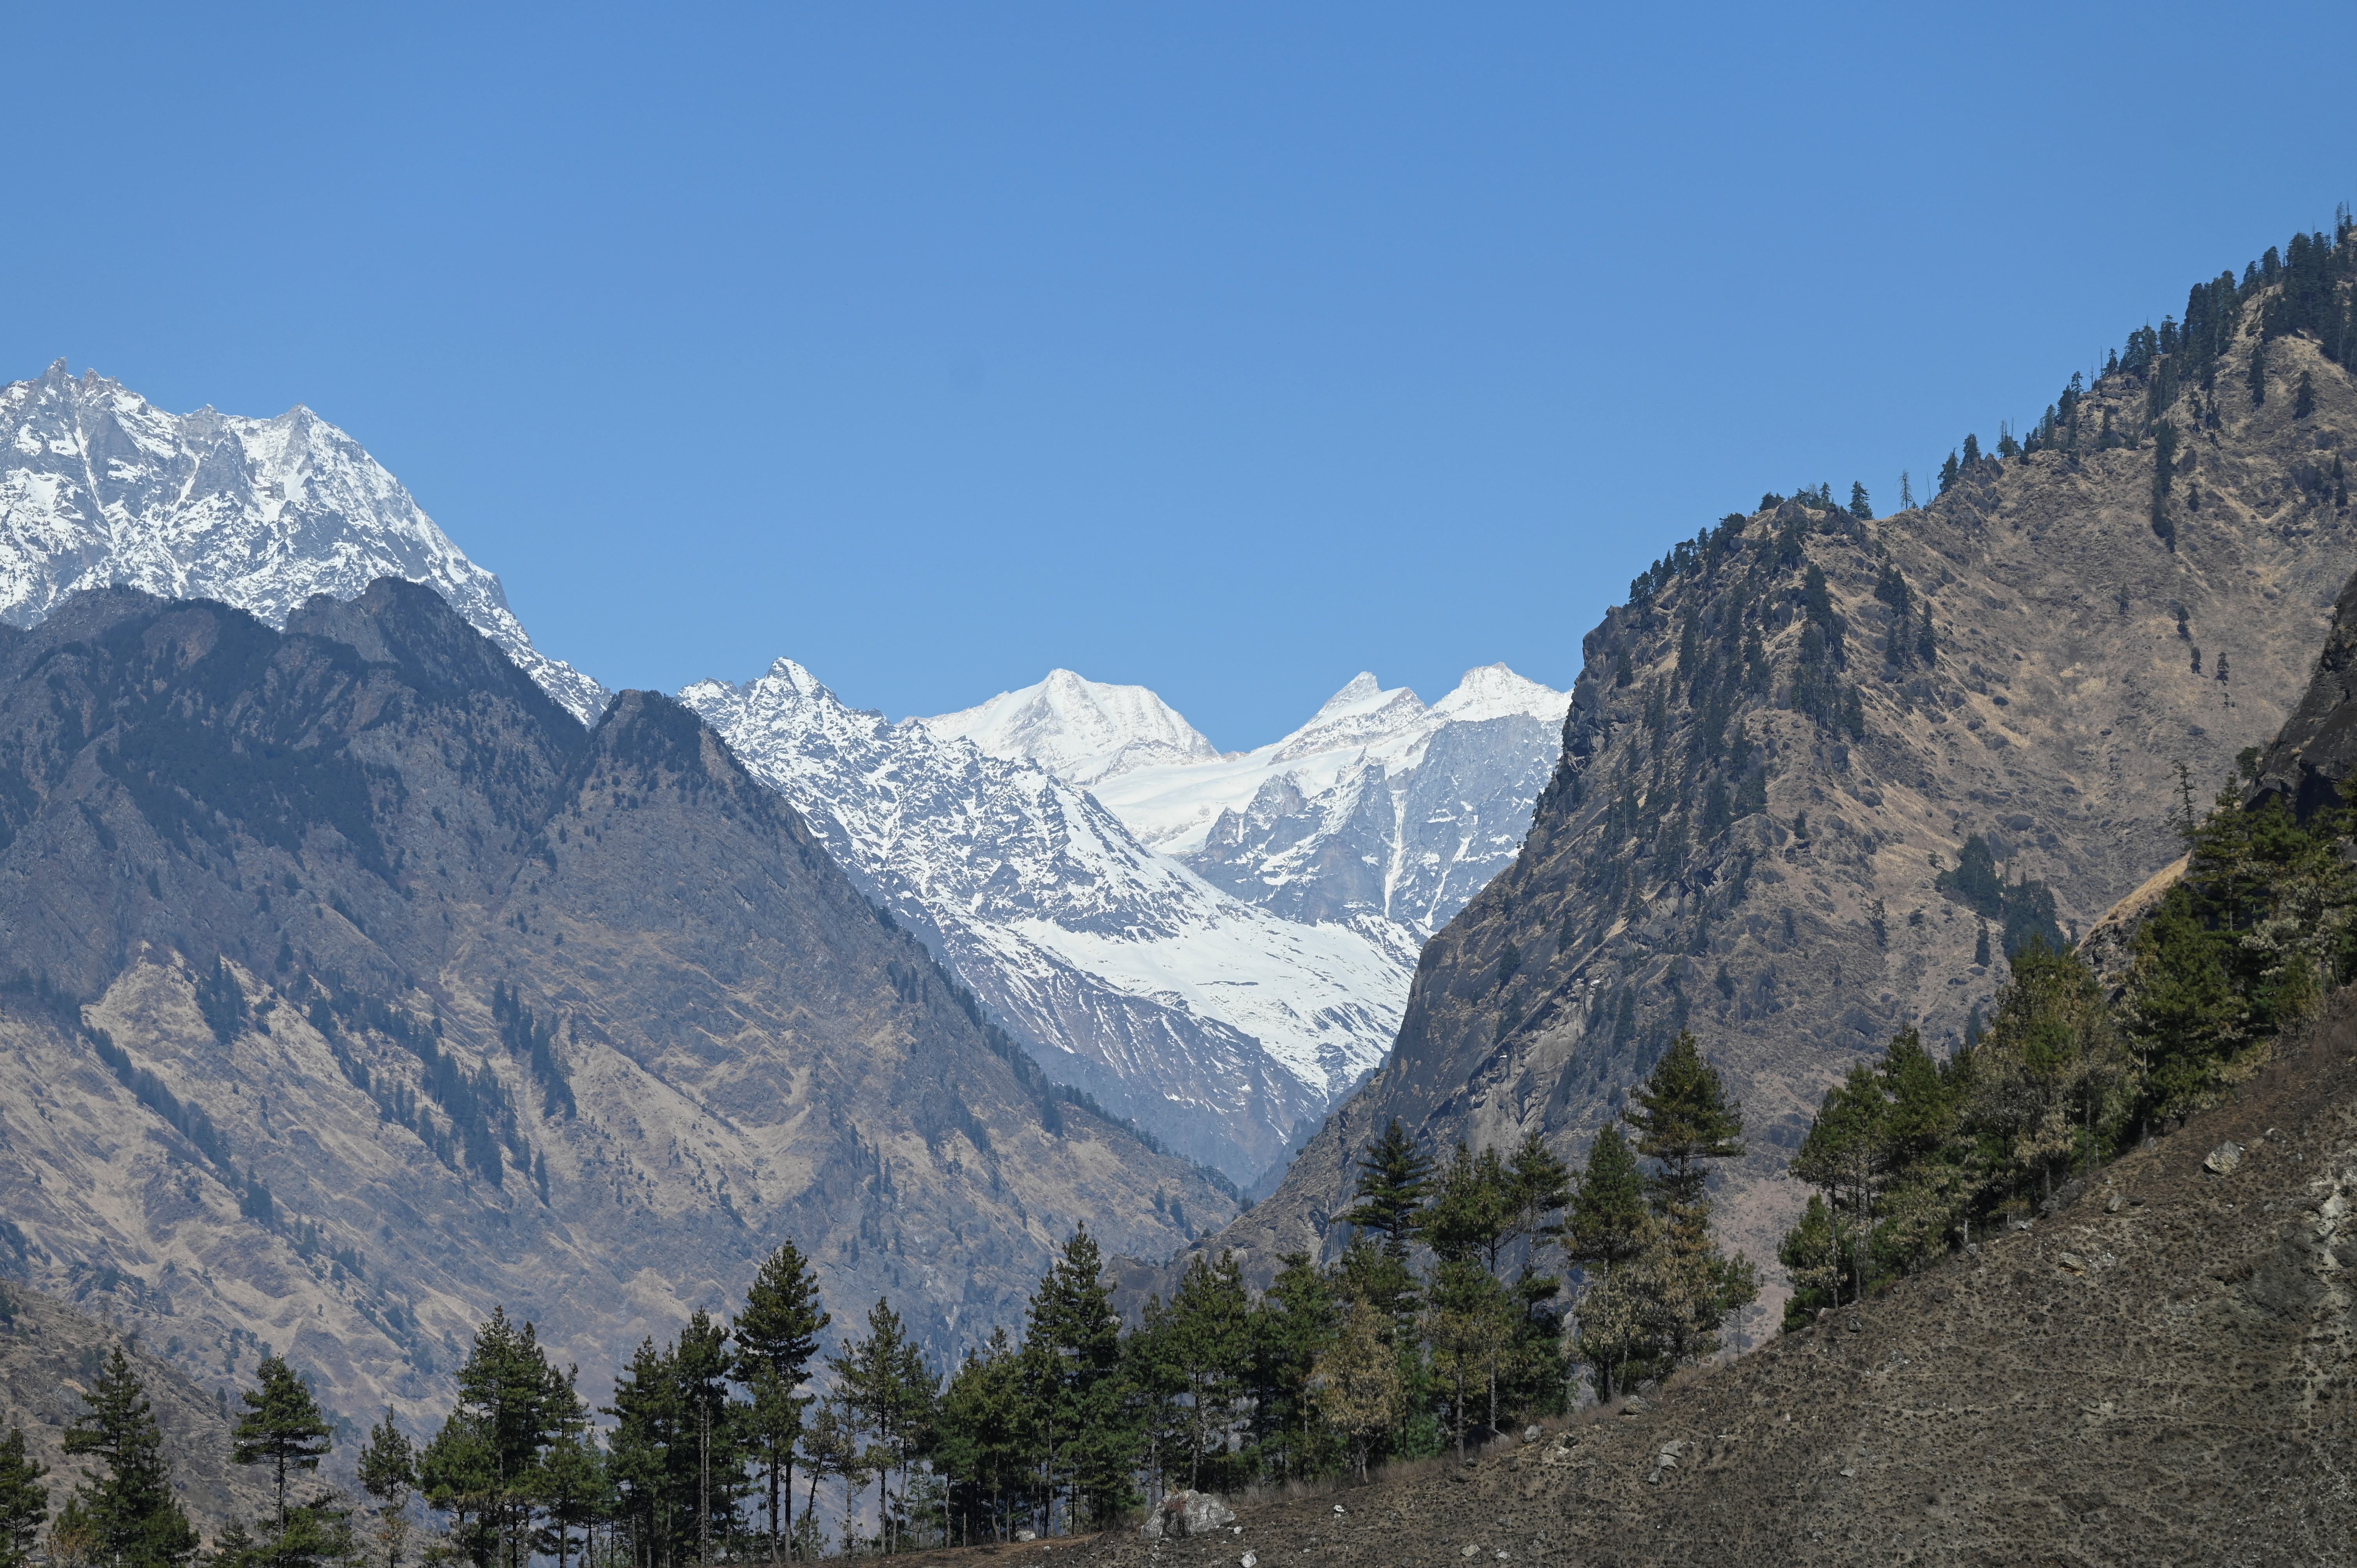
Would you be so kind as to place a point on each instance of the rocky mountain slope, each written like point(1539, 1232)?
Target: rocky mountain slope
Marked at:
point(97, 486)
point(1768, 762)
point(1378, 810)
point(1217, 1025)
point(352, 986)
point(2165, 1370)
point(51, 1352)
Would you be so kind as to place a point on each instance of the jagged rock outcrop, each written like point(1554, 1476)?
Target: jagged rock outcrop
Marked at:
point(1767, 763)
point(353, 986)
point(2315, 754)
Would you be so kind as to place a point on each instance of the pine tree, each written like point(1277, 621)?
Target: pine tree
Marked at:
point(1609, 1225)
point(1294, 1323)
point(711, 1478)
point(282, 1427)
point(1467, 1217)
point(1538, 1185)
point(388, 1474)
point(1468, 1322)
point(511, 1405)
point(572, 1490)
point(1685, 1121)
point(221, 1001)
point(981, 1424)
point(1071, 1358)
point(2258, 373)
point(1981, 947)
point(884, 1381)
point(2303, 397)
point(777, 1336)
point(1972, 452)
point(1393, 1179)
point(1210, 1348)
point(24, 1501)
point(1948, 473)
point(128, 1510)
point(1859, 507)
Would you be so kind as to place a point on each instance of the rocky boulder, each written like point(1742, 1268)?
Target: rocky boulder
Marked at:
point(1187, 1513)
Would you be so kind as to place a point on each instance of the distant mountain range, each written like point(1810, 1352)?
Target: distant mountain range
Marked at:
point(1216, 946)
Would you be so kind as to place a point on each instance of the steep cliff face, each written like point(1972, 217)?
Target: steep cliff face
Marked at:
point(1768, 762)
point(2310, 762)
point(356, 987)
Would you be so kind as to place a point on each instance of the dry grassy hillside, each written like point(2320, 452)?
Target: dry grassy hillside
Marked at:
point(2163, 1371)
point(50, 1352)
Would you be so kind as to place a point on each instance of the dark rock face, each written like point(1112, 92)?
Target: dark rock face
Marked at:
point(2317, 750)
point(1761, 779)
point(357, 986)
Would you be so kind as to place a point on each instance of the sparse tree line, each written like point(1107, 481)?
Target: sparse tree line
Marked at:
point(1440, 1322)
point(1915, 1155)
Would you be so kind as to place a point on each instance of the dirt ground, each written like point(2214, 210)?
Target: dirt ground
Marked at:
point(2159, 1372)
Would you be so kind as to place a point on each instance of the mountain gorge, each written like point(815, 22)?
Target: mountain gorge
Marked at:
point(354, 986)
point(1803, 717)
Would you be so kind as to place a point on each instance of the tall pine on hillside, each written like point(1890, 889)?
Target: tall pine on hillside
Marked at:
point(126, 1513)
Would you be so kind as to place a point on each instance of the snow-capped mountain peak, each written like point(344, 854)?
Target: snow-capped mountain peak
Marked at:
point(1494, 691)
point(97, 486)
point(1080, 730)
point(1361, 714)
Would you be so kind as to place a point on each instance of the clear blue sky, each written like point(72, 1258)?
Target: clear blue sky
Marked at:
point(1230, 349)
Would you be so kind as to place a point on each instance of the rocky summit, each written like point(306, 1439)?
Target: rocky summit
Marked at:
point(1802, 718)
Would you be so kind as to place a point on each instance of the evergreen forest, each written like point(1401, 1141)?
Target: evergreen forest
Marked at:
point(1444, 1322)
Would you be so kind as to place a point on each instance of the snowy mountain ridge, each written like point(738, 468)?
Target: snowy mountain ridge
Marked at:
point(97, 486)
point(1216, 1024)
point(1380, 807)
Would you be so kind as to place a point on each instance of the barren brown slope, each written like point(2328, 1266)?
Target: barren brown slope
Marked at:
point(51, 1353)
point(2062, 698)
point(2163, 1371)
